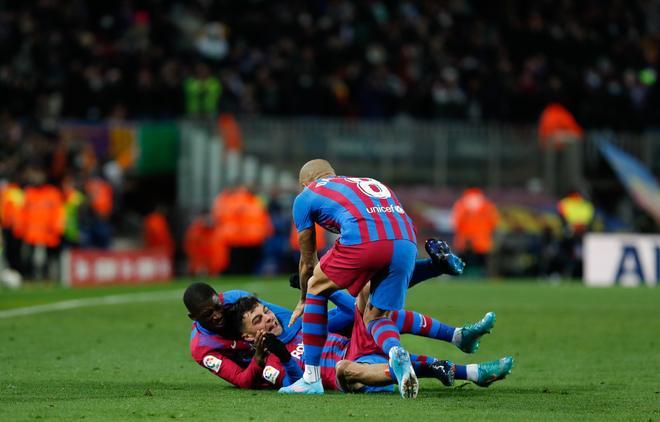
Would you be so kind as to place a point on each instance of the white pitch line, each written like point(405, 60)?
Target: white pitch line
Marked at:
point(91, 301)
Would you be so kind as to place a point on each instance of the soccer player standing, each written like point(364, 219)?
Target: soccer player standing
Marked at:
point(376, 242)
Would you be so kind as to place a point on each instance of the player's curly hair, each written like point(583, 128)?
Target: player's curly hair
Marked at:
point(196, 294)
point(234, 315)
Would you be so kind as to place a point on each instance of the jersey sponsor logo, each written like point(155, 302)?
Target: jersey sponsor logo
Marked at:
point(270, 374)
point(298, 351)
point(389, 208)
point(212, 363)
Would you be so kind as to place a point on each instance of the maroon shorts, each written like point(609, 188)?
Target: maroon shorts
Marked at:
point(388, 264)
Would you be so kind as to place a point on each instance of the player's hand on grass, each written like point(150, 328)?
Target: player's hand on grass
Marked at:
point(297, 312)
point(276, 347)
point(260, 347)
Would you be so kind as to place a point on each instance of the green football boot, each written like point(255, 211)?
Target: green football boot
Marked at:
point(489, 372)
point(469, 335)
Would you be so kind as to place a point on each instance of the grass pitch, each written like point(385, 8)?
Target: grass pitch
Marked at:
point(581, 354)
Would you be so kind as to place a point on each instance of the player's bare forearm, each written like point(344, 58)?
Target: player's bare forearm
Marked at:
point(308, 258)
point(305, 269)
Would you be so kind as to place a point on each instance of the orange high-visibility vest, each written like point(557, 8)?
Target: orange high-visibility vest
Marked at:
point(218, 253)
point(157, 233)
point(11, 202)
point(321, 241)
point(556, 120)
point(475, 218)
point(100, 196)
point(205, 248)
point(254, 221)
point(43, 217)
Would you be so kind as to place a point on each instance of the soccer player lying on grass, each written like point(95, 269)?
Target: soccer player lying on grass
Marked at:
point(358, 364)
point(365, 368)
point(232, 360)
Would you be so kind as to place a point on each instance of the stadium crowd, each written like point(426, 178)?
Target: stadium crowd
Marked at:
point(466, 59)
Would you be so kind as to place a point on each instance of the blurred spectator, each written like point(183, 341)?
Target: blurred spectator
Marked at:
point(577, 214)
point(212, 42)
point(475, 218)
point(205, 249)
point(202, 92)
point(466, 59)
point(321, 242)
point(559, 134)
point(74, 213)
point(41, 224)
point(245, 225)
point(99, 193)
point(157, 233)
point(557, 127)
point(11, 204)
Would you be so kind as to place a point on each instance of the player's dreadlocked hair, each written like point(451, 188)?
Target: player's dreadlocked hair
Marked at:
point(234, 315)
point(196, 294)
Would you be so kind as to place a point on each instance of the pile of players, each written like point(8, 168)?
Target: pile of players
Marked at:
point(356, 346)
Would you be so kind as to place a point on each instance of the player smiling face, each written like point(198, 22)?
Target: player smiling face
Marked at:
point(210, 314)
point(260, 318)
point(205, 306)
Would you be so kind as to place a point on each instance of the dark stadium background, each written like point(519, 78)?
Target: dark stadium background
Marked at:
point(430, 97)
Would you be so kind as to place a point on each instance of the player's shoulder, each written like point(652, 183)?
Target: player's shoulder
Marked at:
point(232, 296)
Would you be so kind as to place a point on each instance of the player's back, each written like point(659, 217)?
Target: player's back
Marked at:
point(360, 209)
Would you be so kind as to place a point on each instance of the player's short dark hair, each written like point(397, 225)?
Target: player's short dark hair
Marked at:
point(234, 315)
point(196, 294)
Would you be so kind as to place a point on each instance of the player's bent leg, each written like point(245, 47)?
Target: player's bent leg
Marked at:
point(467, 338)
point(315, 333)
point(354, 377)
point(430, 367)
point(411, 322)
point(489, 372)
point(320, 283)
point(386, 335)
point(485, 373)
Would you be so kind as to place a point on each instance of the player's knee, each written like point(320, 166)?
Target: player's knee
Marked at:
point(346, 371)
point(320, 284)
point(348, 376)
point(371, 313)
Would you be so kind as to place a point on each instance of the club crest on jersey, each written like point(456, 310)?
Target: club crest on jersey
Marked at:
point(212, 363)
point(270, 374)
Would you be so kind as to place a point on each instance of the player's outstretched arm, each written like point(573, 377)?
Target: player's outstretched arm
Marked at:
point(223, 367)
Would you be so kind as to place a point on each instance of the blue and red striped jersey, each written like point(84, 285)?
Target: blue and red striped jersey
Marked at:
point(360, 209)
